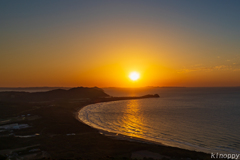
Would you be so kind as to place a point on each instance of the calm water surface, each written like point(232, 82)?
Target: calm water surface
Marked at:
point(202, 119)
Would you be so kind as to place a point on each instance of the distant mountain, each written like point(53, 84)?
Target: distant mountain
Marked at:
point(53, 95)
point(31, 89)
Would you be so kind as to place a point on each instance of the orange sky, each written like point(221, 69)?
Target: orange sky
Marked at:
point(101, 44)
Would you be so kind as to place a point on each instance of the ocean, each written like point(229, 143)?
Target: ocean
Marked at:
point(200, 119)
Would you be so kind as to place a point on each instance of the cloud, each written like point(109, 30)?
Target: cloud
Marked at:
point(187, 70)
point(211, 68)
point(222, 67)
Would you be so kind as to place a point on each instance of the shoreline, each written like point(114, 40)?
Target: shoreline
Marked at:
point(117, 135)
point(122, 137)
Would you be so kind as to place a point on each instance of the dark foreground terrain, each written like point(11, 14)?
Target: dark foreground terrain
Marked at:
point(44, 126)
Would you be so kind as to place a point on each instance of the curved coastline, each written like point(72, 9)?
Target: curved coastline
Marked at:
point(116, 135)
point(152, 146)
point(120, 136)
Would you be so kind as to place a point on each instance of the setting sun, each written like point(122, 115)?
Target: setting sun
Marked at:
point(134, 76)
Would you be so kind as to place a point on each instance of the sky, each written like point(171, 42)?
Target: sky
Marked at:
point(98, 43)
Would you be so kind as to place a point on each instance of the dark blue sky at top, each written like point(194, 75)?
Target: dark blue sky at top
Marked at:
point(219, 13)
point(215, 18)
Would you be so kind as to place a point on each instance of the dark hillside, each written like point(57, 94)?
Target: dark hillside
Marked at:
point(54, 95)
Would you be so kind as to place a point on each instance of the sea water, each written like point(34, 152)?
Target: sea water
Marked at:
point(201, 119)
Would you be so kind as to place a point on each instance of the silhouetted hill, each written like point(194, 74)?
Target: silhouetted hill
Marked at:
point(53, 95)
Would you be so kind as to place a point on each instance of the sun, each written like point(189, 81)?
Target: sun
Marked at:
point(134, 76)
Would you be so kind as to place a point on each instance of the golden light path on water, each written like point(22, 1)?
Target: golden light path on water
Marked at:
point(132, 119)
point(137, 124)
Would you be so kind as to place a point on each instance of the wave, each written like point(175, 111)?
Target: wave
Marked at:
point(114, 122)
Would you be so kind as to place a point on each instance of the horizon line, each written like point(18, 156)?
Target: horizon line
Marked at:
point(37, 87)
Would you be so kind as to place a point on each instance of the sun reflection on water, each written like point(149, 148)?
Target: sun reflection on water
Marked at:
point(132, 119)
